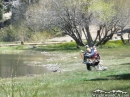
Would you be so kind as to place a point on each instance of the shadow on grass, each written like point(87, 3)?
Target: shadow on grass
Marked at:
point(125, 64)
point(121, 76)
point(113, 77)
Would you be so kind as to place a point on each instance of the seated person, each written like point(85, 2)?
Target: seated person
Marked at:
point(95, 62)
point(90, 53)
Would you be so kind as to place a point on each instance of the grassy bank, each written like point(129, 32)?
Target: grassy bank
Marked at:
point(73, 80)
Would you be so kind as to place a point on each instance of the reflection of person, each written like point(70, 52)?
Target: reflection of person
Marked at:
point(88, 54)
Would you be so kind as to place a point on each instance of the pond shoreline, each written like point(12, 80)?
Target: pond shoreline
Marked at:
point(75, 80)
point(52, 62)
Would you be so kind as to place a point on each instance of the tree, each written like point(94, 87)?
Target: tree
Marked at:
point(105, 19)
point(123, 12)
point(74, 17)
point(1, 10)
point(67, 15)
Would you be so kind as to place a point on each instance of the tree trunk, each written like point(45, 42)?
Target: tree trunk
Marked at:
point(122, 39)
point(78, 41)
point(88, 35)
point(129, 37)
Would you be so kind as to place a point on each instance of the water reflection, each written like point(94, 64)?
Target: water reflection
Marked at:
point(17, 65)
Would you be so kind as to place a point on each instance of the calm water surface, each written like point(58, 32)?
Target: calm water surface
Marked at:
point(15, 65)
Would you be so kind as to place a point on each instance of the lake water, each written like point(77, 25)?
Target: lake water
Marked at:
point(15, 65)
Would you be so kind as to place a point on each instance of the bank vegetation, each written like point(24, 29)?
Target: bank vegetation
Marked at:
point(37, 20)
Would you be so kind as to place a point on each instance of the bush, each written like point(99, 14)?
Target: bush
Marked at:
point(56, 47)
point(68, 45)
point(113, 44)
point(8, 34)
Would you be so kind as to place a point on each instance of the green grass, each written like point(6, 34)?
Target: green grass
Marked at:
point(76, 81)
point(69, 46)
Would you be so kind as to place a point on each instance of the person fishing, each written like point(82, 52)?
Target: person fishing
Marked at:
point(93, 63)
point(91, 57)
point(90, 53)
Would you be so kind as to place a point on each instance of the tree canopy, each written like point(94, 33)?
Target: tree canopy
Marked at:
point(74, 18)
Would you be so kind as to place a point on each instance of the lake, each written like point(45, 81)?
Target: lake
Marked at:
point(16, 65)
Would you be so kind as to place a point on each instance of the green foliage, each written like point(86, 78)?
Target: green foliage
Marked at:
point(39, 36)
point(21, 47)
point(7, 34)
point(103, 10)
point(1, 11)
point(21, 33)
point(0, 15)
point(7, 9)
point(113, 44)
point(64, 46)
point(69, 46)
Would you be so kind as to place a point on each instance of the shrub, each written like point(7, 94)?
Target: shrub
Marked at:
point(113, 44)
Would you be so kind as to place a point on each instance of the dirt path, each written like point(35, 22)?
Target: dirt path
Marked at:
point(93, 30)
point(67, 38)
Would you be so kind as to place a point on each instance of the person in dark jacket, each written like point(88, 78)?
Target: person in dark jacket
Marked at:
point(88, 54)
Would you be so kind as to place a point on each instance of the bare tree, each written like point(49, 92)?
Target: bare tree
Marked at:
point(74, 17)
point(123, 13)
point(67, 16)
